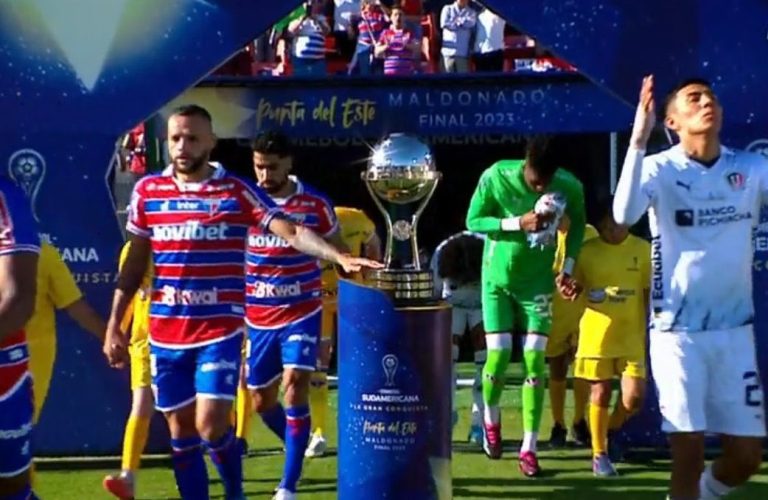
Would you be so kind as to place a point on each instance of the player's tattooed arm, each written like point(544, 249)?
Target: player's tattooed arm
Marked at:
point(307, 241)
point(17, 290)
point(128, 282)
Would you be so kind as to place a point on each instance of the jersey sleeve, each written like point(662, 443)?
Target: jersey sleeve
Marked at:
point(63, 289)
point(18, 231)
point(328, 223)
point(636, 189)
point(483, 213)
point(577, 212)
point(137, 216)
point(259, 207)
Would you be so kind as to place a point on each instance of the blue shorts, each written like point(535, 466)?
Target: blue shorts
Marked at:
point(179, 376)
point(16, 410)
point(270, 351)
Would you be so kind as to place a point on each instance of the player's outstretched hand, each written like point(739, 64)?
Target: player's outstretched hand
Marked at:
point(116, 347)
point(353, 264)
point(568, 287)
point(533, 222)
point(645, 115)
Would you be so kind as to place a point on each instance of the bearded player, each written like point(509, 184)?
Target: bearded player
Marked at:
point(703, 202)
point(358, 234)
point(19, 250)
point(518, 204)
point(193, 219)
point(284, 305)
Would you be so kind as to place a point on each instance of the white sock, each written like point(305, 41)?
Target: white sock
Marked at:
point(529, 442)
point(710, 488)
point(492, 414)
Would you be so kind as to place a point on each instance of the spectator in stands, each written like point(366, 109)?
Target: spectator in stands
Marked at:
point(398, 46)
point(457, 20)
point(489, 41)
point(413, 11)
point(374, 18)
point(308, 32)
point(346, 14)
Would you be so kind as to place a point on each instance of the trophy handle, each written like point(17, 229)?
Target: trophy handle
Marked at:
point(414, 225)
point(387, 221)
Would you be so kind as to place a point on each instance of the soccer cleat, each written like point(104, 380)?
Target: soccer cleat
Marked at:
point(581, 435)
point(242, 445)
point(475, 435)
point(492, 441)
point(529, 464)
point(119, 486)
point(615, 447)
point(317, 447)
point(558, 437)
point(602, 466)
point(283, 494)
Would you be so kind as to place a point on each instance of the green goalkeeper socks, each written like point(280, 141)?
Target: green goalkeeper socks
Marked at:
point(533, 389)
point(499, 354)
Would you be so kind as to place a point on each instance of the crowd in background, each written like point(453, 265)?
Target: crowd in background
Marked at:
point(391, 37)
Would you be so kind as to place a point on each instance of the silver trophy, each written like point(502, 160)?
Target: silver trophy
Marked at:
point(401, 177)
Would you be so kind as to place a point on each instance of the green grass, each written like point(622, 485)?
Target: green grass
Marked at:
point(567, 475)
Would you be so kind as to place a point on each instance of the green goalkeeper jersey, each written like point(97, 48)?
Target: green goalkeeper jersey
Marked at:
point(509, 261)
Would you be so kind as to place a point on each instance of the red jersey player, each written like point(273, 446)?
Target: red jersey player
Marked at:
point(194, 219)
point(19, 249)
point(283, 305)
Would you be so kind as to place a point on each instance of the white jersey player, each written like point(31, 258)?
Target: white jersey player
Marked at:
point(456, 267)
point(703, 202)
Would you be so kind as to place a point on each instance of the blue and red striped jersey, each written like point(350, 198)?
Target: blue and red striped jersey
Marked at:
point(283, 284)
point(18, 234)
point(198, 234)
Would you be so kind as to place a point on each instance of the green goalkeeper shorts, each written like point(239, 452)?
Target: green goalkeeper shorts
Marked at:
point(528, 310)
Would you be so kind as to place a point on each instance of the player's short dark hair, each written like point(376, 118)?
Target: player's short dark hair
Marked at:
point(193, 110)
point(271, 142)
point(541, 154)
point(672, 94)
point(600, 210)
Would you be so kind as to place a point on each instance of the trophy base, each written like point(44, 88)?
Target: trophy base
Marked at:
point(406, 287)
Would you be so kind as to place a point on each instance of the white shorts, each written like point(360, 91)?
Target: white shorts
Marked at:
point(708, 382)
point(464, 318)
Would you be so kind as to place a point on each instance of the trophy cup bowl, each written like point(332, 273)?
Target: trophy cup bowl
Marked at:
point(401, 177)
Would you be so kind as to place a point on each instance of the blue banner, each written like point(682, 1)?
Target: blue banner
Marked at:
point(74, 76)
point(435, 105)
point(394, 398)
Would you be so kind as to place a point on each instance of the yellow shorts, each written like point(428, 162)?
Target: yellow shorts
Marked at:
point(561, 341)
point(140, 373)
point(594, 369)
point(328, 321)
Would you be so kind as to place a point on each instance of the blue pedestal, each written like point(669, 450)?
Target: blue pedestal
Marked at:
point(394, 398)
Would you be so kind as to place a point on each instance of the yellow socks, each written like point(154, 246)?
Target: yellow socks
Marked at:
point(318, 400)
point(134, 441)
point(598, 427)
point(243, 413)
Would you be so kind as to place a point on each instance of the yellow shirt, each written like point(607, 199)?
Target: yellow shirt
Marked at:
point(615, 280)
point(137, 314)
point(56, 289)
point(356, 230)
point(566, 313)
